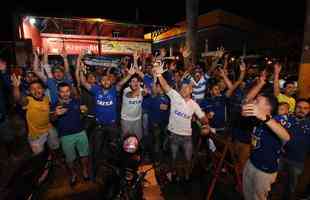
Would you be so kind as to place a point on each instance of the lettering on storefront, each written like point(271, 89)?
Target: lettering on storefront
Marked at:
point(55, 46)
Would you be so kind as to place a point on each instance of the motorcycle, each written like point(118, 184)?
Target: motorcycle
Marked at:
point(124, 181)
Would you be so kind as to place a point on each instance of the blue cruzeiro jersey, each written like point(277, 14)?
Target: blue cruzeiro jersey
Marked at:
point(156, 114)
point(105, 104)
point(299, 145)
point(218, 106)
point(267, 146)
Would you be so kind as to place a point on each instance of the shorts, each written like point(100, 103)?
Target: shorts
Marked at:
point(256, 183)
point(51, 137)
point(71, 143)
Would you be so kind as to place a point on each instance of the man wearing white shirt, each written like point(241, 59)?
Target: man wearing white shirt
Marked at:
point(182, 110)
point(131, 113)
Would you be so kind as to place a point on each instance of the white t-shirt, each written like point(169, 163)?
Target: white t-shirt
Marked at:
point(131, 107)
point(181, 114)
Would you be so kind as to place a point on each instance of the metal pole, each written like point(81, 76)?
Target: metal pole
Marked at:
point(192, 23)
point(304, 68)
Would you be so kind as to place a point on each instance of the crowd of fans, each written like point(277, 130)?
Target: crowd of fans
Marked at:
point(158, 100)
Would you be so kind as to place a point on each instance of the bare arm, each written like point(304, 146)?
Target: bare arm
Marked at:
point(279, 130)
point(227, 81)
point(36, 69)
point(139, 72)
point(154, 93)
point(276, 84)
point(252, 110)
point(257, 88)
point(83, 80)
point(78, 69)
point(122, 82)
point(45, 57)
point(163, 83)
point(66, 64)
point(219, 54)
point(18, 98)
point(238, 82)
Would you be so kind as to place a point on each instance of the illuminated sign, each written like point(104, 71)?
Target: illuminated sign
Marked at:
point(75, 46)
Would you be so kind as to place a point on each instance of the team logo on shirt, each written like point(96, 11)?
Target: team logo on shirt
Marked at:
point(181, 114)
point(134, 101)
point(104, 103)
point(255, 139)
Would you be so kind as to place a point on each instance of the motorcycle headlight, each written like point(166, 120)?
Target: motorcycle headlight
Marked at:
point(131, 144)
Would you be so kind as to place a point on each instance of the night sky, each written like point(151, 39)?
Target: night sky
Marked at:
point(285, 16)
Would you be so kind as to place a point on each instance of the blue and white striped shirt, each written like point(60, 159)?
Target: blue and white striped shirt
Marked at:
point(199, 88)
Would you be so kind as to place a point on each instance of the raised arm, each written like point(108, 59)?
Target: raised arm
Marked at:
point(122, 82)
point(82, 78)
point(227, 81)
point(78, 69)
point(154, 92)
point(249, 110)
point(18, 98)
point(239, 81)
point(36, 67)
point(257, 87)
point(159, 71)
point(218, 55)
point(276, 84)
point(66, 62)
point(139, 72)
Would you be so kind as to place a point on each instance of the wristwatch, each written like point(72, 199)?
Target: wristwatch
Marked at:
point(268, 117)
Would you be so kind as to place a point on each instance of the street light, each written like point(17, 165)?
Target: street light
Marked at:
point(32, 20)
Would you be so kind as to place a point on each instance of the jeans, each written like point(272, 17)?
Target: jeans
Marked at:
point(146, 138)
point(98, 141)
point(158, 136)
point(293, 170)
point(180, 141)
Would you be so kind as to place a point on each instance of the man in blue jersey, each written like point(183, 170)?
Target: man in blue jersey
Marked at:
point(297, 148)
point(215, 105)
point(267, 139)
point(105, 109)
point(159, 118)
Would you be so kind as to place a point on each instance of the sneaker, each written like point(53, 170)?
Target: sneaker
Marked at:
point(73, 180)
point(169, 176)
point(86, 178)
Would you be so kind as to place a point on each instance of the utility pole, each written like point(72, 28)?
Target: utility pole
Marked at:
point(192, 24)
point(304, 68)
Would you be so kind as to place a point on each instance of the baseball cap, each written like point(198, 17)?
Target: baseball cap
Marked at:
point(57, 67)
